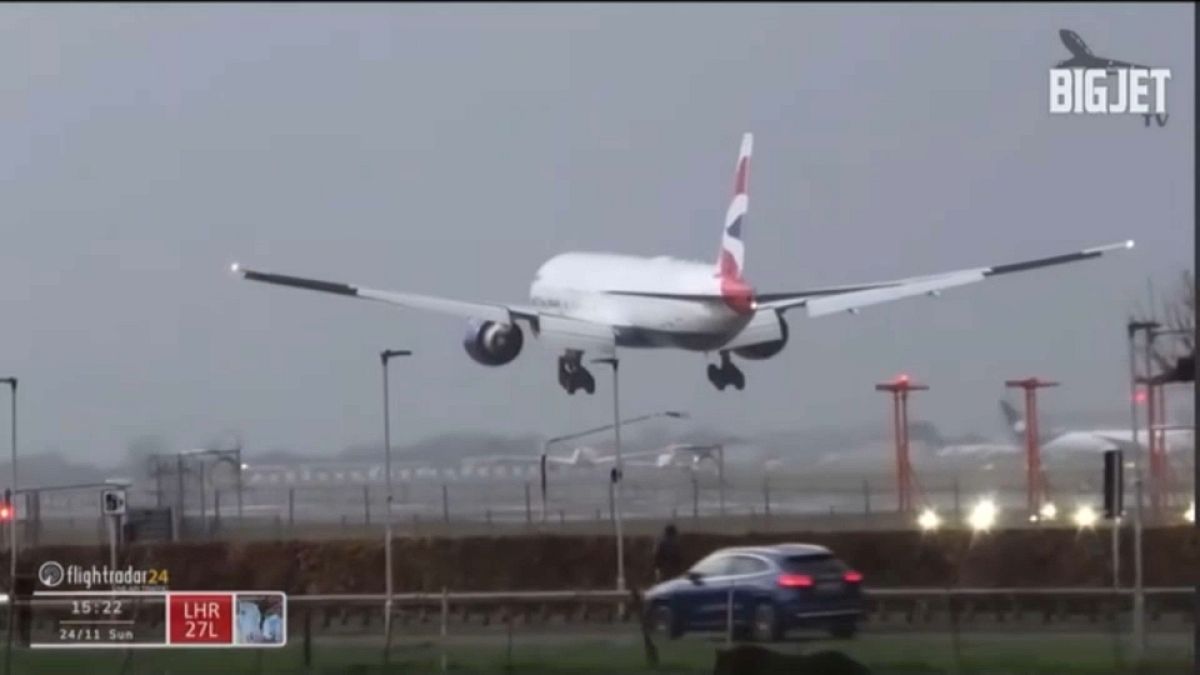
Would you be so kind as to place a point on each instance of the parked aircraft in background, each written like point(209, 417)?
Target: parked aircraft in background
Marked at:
point(1094, 441)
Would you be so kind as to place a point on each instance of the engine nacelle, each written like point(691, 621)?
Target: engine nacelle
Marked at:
point(493, 344)
point(765, 350)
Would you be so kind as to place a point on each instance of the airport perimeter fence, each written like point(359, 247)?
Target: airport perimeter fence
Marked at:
point(955, 627)
point(946, 629)
point(580, 502)
point(886, 609)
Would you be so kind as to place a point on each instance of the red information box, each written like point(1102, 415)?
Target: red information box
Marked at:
point(200, 618)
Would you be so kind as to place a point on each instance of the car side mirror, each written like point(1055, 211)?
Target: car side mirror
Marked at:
point(696, 578)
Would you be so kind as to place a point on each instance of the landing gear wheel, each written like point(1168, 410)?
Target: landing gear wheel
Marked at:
point(716, 376)
point(573, 376)
point(662, 622)
point(564, 378)
point(736, 377)
point(726, 374)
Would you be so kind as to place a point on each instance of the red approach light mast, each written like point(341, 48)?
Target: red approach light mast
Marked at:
point(899, 389)
point(1035, 481)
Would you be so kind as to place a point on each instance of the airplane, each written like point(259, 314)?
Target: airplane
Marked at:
point(1082, 57)
point(579, 457)
point(686, 456)
point(596, 302)
point(1096, 441)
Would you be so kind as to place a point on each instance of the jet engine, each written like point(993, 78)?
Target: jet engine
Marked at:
point(765, 350)
point(493, 344)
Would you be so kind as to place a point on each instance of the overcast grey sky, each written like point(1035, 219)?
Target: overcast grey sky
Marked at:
point(451, 149)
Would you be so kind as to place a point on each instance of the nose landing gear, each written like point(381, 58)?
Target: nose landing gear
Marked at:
point(726, 374)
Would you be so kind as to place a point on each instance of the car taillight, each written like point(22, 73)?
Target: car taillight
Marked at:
point(795, 581)
point(852, 577)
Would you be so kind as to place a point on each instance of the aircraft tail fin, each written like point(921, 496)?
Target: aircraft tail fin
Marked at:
point(927, 434)
point(578, 457)
point(1016, 423)
point(731, 260)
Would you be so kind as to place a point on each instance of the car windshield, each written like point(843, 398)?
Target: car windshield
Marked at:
point(816, 565)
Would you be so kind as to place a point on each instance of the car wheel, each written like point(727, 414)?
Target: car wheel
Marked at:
point(663, 622)
point(766, 626)
point(844, 630)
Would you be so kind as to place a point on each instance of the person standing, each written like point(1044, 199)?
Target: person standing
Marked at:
point(668, 559)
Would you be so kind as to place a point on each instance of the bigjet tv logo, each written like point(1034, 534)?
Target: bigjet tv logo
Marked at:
point(1086, 84)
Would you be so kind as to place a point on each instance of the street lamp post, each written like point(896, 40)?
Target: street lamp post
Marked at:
point(674, 414)
point(12, 529)
point(618, 469)
point(12, 561)
point(384, 357)
point(1132, 329)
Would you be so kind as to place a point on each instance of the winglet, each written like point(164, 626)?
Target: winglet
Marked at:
point(1119, 246)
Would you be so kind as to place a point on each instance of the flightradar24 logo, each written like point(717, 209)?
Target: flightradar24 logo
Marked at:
point(1086, 84)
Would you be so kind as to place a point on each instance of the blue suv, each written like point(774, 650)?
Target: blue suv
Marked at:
point(763, 591)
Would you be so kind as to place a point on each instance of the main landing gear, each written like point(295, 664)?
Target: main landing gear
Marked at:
point(726, 374)
point(572, 375)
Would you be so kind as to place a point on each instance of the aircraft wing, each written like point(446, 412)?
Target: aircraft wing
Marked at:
point(1123, 444)
point(605, 459)
point(497, 459)
point(564, 331)
point(824, 301)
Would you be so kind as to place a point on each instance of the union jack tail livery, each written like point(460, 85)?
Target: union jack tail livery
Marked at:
point(731, 261)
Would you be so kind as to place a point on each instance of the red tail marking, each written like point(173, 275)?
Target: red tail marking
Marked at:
point(737, 294)
point(739, 182)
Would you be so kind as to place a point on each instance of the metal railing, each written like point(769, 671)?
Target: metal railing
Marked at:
point(487, 597)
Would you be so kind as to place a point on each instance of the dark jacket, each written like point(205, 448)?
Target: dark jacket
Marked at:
point(668, 559)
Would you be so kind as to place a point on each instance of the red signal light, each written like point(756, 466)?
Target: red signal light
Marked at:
point(6, 512)
point(795, 581)
point(853, 577)
point(1140, 396)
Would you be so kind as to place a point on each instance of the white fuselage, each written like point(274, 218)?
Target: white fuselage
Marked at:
point(1082, 442)
point(1100, 440)
point(590, 287)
